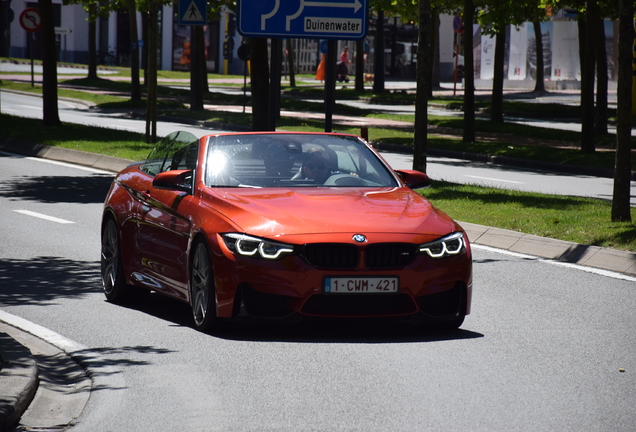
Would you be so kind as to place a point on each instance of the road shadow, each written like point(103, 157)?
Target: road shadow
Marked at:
point(42, 280)
point(90, 189)
point(305, 330)
point(342, 331)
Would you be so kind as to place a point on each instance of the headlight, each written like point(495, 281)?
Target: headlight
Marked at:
point(255, 247)
point(452, 244)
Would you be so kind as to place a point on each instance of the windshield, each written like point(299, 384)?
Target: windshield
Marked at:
point(294, 160)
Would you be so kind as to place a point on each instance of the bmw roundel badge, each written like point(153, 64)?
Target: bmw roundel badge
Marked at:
point(359, 238)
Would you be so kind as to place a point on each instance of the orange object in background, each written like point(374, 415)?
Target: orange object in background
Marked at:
point(320, 71)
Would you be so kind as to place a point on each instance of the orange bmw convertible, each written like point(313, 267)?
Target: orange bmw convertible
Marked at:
point(276, 225)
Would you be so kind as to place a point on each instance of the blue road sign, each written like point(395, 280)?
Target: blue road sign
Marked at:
point(193, 12)
point(333, 19)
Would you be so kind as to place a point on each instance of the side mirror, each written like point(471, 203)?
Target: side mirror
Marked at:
point(414, 179)
point(177, 180)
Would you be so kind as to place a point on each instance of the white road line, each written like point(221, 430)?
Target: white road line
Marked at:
point(597, 271)
point(494, 179)
point(43, 216)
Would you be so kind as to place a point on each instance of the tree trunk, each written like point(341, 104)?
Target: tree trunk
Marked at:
point(50, 114)
point(600, 120)
point(279, 79)
point(469, 74)
point(144, 46)
point(135, 86)
point(359, 66)
point(587, 78)
point(378, 58)
point(421, 100)
point(202, 63)
point(151, 75)
point(259, 77)
point(539, 85)
point(621, 211)
point(196, 87)
point(92, 41)
point(496, 109)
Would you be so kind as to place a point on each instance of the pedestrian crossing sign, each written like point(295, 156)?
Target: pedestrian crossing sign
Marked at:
point(192, 12)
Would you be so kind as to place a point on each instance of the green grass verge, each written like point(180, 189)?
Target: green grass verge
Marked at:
point(111, 142)
point(579, 220)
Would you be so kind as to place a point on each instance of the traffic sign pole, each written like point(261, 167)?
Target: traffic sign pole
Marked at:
point(330, 83)
point(30, 20)
point(31, 55)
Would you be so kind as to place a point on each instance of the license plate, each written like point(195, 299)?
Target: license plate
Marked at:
point(361, 285)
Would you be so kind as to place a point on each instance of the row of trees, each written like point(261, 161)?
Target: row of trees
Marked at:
point(493, 16)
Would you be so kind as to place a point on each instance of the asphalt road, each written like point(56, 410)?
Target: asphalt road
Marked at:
point(454, 170)
point(542, 350)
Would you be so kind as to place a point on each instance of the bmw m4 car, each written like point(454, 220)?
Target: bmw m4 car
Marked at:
point(274, 225)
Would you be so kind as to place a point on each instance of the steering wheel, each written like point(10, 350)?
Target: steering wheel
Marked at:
point(341, 179)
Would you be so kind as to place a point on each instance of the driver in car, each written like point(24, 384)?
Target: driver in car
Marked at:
point(316, 167)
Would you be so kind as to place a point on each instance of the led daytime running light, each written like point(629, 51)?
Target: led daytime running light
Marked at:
point(245, 245)
point(450, 245)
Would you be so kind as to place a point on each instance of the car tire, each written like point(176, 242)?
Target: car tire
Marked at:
point(112, 270)
point(203, 298)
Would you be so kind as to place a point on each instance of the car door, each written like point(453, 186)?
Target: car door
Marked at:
point(164, 229)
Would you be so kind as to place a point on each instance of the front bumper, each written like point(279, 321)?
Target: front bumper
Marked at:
point(431, 289)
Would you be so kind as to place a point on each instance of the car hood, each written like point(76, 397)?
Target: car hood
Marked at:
point(283, 212)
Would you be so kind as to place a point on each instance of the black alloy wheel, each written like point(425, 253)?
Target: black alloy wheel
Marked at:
point(202, 289)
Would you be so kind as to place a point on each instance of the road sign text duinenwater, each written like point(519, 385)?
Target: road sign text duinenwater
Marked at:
point(335, 19)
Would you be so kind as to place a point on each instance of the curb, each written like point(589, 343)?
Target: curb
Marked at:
point(19, 373)
point(93, 160)
point(623, 262)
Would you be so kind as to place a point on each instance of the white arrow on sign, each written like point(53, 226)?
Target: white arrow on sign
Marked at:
point(269, 15)
point(63, 30)
point(356, 5)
